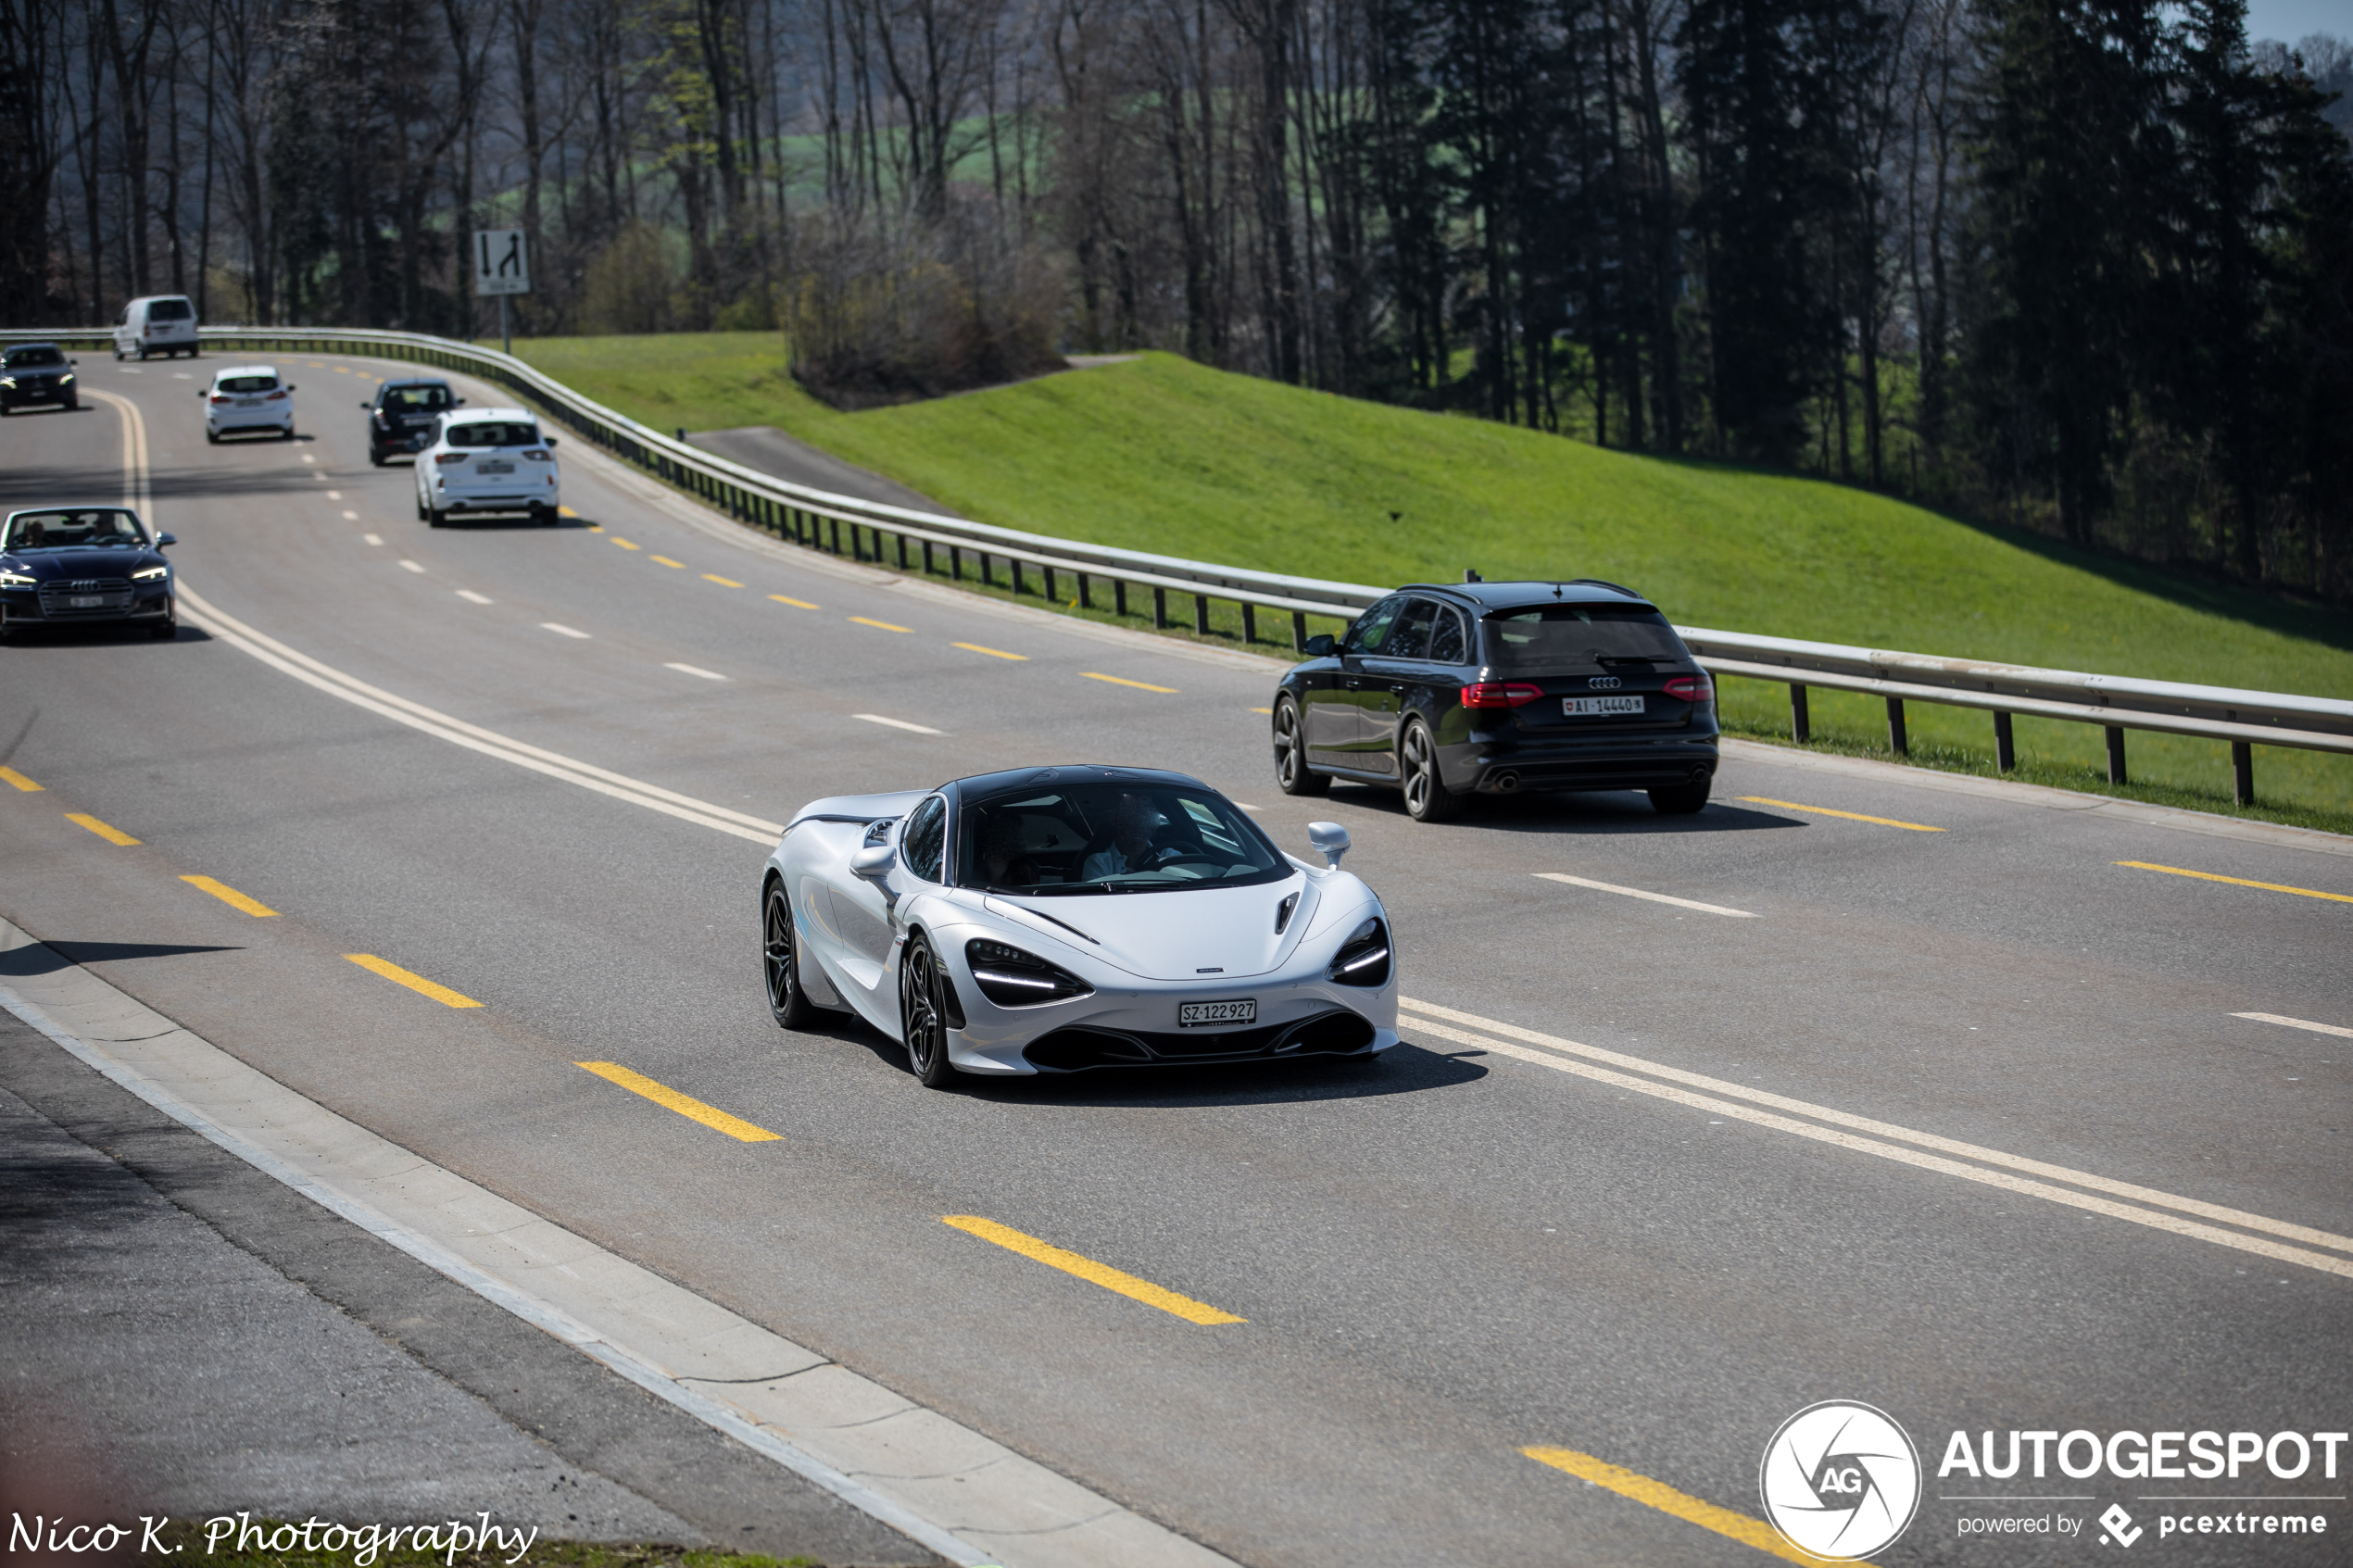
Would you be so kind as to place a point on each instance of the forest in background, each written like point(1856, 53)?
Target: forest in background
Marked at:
point(2079, 266)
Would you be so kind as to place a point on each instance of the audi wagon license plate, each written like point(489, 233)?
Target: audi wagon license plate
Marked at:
point(87, 601)
point(1196, 1015)
point(1586, 707)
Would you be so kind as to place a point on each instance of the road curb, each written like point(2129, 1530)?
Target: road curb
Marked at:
point(952, 1489)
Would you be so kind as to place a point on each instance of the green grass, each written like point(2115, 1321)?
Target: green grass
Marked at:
point(1165, 454)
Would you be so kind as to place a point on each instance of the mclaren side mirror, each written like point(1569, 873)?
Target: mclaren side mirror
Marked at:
point(1321, 645)
point(873, 862)
point(163, 539)
point(1330, 840)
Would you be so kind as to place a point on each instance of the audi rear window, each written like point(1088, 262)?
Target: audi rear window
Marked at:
point(1557, 638)
point(170, 310)
point(493, 433)
point(410, 399)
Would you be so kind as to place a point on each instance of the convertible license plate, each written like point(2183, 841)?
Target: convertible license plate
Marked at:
point(1198, 1015)
point(87, 601)
point(494, 468)
point(1586, 707)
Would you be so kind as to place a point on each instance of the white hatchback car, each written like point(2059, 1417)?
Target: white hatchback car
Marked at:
point(488, 461)
point(247, 397)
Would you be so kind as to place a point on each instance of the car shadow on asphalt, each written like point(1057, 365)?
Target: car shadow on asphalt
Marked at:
point(1616, 812)
point(1400, 1070)
point(49, 958)
point(25, 639)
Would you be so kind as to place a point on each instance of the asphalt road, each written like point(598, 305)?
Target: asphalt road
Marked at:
point(1442, 1259)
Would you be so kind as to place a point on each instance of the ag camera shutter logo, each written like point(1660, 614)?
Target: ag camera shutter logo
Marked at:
point(1840, 1480)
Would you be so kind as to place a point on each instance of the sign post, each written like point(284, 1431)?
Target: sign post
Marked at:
point(501, 268)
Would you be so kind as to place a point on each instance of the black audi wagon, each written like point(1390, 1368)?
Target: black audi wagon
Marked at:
point(403, 416)
point(1453, 690)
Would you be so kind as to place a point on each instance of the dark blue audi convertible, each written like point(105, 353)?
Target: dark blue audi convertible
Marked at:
point(73, 566)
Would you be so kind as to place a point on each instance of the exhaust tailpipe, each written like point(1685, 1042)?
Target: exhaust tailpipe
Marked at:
point(1507, 782)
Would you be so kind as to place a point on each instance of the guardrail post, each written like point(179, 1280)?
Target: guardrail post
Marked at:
point(1119, 594)
point(1086, 599)
point(1014, 561)
point(837, 522)
point(927, 567)
point(987, 580)
point(1200, 614)
point(1160, 610)
point(2115, 754)
point(903, 552)
point(1299, 632)
point(1898, 741)
point(2243, 772)
point(1050, 583)
point(857, 544)
point(1250, 624)
point(1800, 723)
point(955, 563)
point(2005, 749)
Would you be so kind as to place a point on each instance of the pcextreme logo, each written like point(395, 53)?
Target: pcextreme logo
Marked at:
point(1840, 1480)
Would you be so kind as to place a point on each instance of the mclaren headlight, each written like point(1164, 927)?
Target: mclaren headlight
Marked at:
point(1011, 978)
point(151, 574)
point(1362, 959)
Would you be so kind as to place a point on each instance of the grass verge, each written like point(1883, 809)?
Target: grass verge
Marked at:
point(1164, 455)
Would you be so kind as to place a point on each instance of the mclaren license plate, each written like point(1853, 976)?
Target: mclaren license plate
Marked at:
point(1211, 1015)
point(1589, 706)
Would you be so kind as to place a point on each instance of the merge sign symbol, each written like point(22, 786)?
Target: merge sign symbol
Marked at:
point(501, 264)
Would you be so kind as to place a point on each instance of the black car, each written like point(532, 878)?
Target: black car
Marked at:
point(74, 566)
point(36, 373)
point(1497, 688)
point(402, 415)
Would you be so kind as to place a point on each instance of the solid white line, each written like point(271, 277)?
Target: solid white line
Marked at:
point(1637, 892)
point(373, 538)
point(690, 669)
point(412, 566)
point(1863, 1123)
point(561, 631)
point(540, 1314)
point(896, 723)
point(472, 597)
point(2297, 1023)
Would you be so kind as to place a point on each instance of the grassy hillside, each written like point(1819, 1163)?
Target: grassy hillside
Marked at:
point(1164, 455)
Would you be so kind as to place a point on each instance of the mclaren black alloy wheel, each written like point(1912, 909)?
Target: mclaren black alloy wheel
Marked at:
point(1292, 775)
point(1426, 798)
point(780, 963)
point(921, 1022)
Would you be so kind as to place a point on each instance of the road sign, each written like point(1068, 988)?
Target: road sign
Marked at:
point(500, 266)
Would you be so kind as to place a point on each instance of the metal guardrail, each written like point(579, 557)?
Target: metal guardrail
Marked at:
point(815, 518)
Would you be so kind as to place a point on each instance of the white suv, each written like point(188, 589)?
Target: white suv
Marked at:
point(247, 397)
point(488, 461)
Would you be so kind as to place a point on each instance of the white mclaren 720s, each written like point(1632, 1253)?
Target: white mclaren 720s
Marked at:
point(1052, 919)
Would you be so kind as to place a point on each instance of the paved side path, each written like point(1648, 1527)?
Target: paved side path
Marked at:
point(789, 457)
point(180, 1333)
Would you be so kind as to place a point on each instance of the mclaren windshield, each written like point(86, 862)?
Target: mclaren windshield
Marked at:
point(1102, 838)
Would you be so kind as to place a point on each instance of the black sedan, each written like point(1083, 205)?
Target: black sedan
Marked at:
point(76, 566)
point(403, 416)
point(1497, 688)
point(36, 373)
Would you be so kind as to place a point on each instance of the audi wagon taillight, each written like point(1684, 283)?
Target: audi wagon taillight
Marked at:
point(1692, 689)
point(1500, 694)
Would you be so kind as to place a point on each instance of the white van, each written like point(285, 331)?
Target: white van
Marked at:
point(162, 324)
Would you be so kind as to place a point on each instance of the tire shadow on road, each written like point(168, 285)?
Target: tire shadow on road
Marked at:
point(1581, 813)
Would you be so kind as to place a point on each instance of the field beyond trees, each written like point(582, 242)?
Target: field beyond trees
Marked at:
point(1162, 453)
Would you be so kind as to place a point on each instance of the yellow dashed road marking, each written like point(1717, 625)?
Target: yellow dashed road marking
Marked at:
point(1088, 1269)
point(231, 896)
point(416, 983)
point(112, 835)
point(1850, 816)
point(685, 1105)
point(1123, 681)
point(993, 652)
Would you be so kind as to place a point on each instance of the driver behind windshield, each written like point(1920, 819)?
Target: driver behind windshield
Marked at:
point(72, 530)
point(1133, 821)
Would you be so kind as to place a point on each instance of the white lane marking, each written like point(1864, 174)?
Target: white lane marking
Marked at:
point(896, 723)
point(127, 371)
point(373, 538)
point(1860, 1123)
point(309, 459)
point(473, 599)
point(1653, 898)
point(561, 631)
point(2297, 1023)
point(473, 737)
point(412, 566)
point(690, 669)
point(335, 495)
point(181, 375)
point(348, 517)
